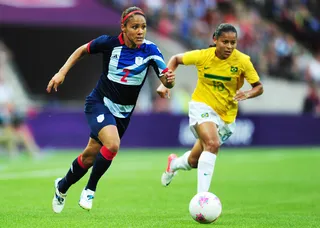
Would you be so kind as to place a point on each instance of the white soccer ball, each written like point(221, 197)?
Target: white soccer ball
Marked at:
point(205, 207)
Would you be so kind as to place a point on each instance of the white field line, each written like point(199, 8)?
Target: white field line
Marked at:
point(33, 174)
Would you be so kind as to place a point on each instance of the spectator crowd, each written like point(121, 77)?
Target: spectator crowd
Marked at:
point(274, 52)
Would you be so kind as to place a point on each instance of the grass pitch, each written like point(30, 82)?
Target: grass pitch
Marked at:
point(257, 188)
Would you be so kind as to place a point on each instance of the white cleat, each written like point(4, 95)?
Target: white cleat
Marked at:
point(86, 199)
point(59, 198)
point(168, 175)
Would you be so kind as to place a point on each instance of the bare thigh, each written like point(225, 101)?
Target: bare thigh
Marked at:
point(109, 137)
point(208, 141)
point(209, 137)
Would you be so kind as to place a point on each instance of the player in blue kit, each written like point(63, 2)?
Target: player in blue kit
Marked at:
point(126, 60)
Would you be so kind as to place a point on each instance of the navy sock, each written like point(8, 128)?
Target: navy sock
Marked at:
point(75, 173)
point(100, 166)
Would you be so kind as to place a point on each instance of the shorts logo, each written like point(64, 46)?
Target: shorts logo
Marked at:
point(234, 69)
point(204, 115)
point(100, 118)
point(139, 60)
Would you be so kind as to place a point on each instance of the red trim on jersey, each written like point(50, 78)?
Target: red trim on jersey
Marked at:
point(107, 154)
point(129, 14)
point(88, 46)
point(120, 37)
point(79, 160)
point(121, 40)
point(165, 70)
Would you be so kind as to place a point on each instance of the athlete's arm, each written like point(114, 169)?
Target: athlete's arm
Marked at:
point(173, 64)
point(59, 77)
point(257, 90)
point(175, 61)
point(168, 79)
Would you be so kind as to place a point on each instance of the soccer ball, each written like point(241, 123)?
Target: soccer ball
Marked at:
point(205, 207)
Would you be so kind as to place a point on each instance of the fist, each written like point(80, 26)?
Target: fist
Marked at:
point(163, 91)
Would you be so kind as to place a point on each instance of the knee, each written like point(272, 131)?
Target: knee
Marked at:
point(107, 154)
point(113, 147)
point(212, 145)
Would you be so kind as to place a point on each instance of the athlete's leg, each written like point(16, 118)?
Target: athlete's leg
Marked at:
point(195, 154)
point(80, 165)
point(110, 139)
point(79, 168)
point(187, 161)
point(209, 138)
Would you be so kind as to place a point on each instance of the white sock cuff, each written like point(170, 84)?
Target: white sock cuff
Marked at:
point(207, 157)
point(185, 158)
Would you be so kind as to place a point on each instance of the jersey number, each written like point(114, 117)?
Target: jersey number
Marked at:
point(124, 77)
point(218, 86)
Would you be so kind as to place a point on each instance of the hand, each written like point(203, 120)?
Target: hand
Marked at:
point(163, 91)
point(55, 81)
point(170, 77)
point(241, 96)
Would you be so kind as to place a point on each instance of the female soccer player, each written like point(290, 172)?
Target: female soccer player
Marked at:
point(214, 105)
point(110, 104)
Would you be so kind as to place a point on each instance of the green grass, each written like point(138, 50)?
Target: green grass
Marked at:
point(257, 188)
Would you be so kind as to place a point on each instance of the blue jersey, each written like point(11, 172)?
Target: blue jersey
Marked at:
point(124, 72)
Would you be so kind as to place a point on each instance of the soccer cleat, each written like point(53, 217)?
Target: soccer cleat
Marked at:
point(86, 199)
point(167, 176)
point(59, 198)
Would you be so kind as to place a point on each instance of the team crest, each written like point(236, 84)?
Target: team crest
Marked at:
point(139, 60)
point(204, 115)
point(234, 69)
point(100, 118)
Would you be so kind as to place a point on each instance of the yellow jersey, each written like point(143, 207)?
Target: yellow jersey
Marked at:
point(219, 80)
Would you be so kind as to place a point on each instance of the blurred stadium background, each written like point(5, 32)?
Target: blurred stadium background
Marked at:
point(281, 36)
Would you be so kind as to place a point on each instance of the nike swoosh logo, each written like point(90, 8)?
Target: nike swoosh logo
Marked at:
point(206, 174)
point(206, 68)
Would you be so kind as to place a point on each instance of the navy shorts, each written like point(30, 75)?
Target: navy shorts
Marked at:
point(99, 116)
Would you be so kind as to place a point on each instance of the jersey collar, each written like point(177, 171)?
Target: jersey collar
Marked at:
point(120, 37)
point(121, 40)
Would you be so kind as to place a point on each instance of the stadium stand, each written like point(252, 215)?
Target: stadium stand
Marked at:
point(275, 52)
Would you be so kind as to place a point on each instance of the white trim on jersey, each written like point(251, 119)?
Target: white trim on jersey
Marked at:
point(137, 79)
point(118, 110)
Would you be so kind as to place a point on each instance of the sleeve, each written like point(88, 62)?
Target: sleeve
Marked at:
point(158, 62)
point(191, 57)
point(250, 73)
point(98, 45)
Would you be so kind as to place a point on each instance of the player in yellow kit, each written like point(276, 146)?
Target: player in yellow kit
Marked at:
point(214, 105)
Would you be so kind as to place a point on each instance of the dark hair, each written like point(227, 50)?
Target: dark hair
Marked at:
point(224, 27)
point(126, 12)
